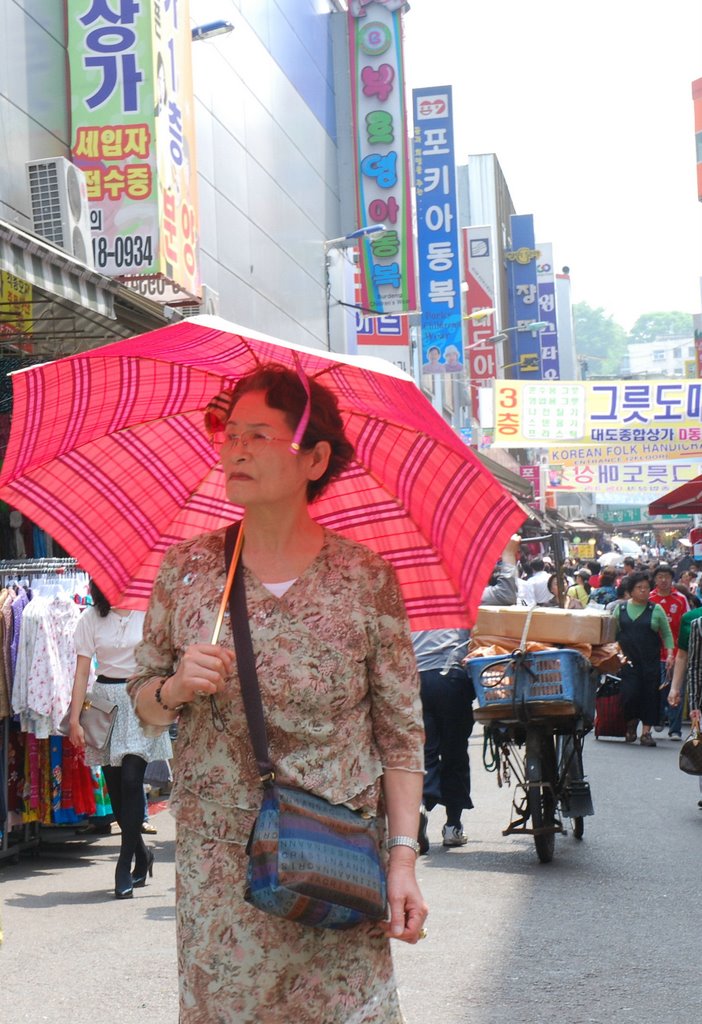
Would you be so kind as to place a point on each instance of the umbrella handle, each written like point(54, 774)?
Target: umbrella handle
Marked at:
point(228, 585)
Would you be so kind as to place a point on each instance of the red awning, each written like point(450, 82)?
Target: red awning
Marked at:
point(684, 500)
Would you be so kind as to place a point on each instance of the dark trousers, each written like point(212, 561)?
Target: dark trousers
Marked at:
point(639, 692)
point(448, 722)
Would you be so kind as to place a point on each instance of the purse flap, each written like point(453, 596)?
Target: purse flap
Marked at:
point(99, 703)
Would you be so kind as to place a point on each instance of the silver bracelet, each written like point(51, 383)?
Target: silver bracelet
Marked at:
point(402, 841)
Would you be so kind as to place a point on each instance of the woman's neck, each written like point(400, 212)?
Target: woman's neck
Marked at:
point(280, 548)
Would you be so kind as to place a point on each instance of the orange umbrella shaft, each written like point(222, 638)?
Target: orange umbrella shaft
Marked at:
point(228, 585)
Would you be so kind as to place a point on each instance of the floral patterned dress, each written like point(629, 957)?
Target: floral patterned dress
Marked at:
point(341, 694)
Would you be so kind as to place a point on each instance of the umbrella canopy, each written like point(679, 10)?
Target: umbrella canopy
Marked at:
point(626, 546)
point(684, 500)
point(610, 558)
point(109, 454)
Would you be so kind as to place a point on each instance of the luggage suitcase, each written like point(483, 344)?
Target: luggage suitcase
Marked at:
point(609, 714)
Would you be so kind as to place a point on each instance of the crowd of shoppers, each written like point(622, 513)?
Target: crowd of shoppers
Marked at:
point(651, 602)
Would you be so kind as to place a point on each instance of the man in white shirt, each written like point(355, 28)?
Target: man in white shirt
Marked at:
point(538, 582)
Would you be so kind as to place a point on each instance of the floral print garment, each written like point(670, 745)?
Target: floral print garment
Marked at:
point(340, 691)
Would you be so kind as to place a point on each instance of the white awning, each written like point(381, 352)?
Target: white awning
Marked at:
point(73, 307)
point(51, 269)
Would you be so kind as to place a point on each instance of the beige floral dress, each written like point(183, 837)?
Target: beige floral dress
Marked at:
point(340, 690)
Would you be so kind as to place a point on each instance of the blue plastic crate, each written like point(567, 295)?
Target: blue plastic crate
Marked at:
point(559, 682)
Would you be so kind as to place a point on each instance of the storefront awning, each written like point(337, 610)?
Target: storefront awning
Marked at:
point(73, 308)
point(517, 486)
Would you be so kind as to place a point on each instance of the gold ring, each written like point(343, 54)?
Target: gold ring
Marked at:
point(423, 933)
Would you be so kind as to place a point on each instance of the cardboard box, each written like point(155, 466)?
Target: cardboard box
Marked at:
point(548, 625)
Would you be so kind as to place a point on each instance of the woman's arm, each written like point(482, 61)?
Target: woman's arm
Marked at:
point(80, 687)
point(659, 621)
point(402, 791)
point(679, 671)
point(200, 673)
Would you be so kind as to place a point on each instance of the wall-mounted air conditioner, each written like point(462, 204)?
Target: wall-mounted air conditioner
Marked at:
point(60, 206)
point(209, 304)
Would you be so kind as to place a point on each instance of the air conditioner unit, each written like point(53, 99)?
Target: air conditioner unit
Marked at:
point(209, 304)
point(60, 211)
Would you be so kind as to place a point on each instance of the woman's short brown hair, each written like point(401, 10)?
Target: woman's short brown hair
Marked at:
point(284, 390)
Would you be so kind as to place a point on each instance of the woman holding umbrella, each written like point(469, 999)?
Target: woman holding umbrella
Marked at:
point(340, 689)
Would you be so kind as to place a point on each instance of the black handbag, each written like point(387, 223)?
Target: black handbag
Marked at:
point(690, 757)
point(310, 861)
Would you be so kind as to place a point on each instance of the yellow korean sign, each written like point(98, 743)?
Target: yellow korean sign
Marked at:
point(15, 305)
point(584, 413)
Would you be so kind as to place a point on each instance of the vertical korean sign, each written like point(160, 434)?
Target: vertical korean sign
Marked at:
point(437, 231)
point(133, 134)
point(382, 157)
point(386, 337)
point(523, 296)
point(478, 255)
point(546, 284)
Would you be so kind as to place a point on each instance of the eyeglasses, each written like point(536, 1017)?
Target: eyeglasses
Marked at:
point(253, 441)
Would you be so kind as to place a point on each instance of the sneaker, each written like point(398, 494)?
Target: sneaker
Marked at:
point(454, 835)
point(674, 736)
point(148, 829)
point(422, 837)
point(646, 740)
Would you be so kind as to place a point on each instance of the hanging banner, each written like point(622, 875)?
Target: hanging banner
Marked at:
point(604, 454)
point(546, 414)
point(479, 271)
point(522, 291)
point(548, 336)
point(382, 156)
point(438, 256)
point(629, 478)
point(132, 130)
point(533, 475)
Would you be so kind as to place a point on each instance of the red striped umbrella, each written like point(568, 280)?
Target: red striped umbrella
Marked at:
point(109, 454)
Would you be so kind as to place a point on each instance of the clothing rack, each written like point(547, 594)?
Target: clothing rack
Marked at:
point(13, 569)
point(37, 566)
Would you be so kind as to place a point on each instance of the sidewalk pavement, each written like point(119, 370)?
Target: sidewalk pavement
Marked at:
point(72, 952)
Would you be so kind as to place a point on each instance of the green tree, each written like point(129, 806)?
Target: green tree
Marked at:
point(653, 326)
point(600, 342)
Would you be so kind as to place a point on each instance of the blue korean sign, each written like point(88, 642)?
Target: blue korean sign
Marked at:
point(437, 231)
point(525, 347)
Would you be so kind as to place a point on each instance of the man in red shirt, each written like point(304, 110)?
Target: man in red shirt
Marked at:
point(674, 604)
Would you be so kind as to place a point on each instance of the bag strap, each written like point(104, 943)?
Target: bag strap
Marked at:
point(246, 661)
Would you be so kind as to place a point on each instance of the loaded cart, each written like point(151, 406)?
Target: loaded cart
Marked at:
point(536, 709)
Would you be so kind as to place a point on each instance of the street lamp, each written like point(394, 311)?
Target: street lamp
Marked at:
point(340, 243)
point(534, 326)
point(478, 314)
point(210, 30)
point(483, 341)
point(369, 229)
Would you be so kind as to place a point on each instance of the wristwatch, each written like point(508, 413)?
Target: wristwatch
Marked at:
point(402, 841)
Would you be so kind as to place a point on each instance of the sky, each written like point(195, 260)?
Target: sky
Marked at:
point(588, 107)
